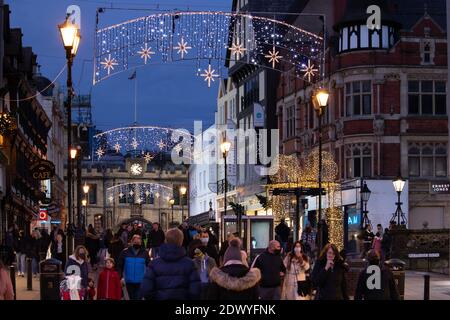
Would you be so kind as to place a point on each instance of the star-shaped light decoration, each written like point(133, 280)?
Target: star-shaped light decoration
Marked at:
point(100, 152)
point(182, 48)
point(139, 201)
point(148, 157)
point(309, 71)
point(131, 193)
point(178, 148)
point(109, 63)
point(146, 53)
point(273, 56)
point(134, 144)
point(209, 75)
point(111, 198)
point(117, 147)
point(237, 50)
point(121, 195)
point(161, 144)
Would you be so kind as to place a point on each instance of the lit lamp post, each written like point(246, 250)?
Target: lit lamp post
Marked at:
point(183, 191)
point(399, 184)
point(84, 204)
point(225, 147)
point(71, 39)
point(172, 202)
point(365, 195)
point(320, 101)
point(85, 200)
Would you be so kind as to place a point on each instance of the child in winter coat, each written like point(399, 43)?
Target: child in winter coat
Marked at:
point(109, 286)
point(91, 290)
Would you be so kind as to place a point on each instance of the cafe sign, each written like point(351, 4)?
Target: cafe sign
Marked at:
point(42, 170)
point(440, 187)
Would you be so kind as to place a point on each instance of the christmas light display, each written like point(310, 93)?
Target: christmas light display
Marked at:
point(294, 173)
point(137, 192)
point(142, 142)
point(207, 36)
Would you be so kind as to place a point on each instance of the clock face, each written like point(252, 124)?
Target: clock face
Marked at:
point(136, 169)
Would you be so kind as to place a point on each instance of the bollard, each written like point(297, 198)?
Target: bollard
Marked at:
point(12, 274)
point(426, 287)
point(29, 275)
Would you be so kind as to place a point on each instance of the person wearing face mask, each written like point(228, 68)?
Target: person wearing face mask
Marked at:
point(79, 259)
point(207, 240)
point(272, 270)
point(132, 264)
point(296, 284)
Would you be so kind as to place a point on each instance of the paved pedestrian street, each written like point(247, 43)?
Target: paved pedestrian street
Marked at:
point(439, 287)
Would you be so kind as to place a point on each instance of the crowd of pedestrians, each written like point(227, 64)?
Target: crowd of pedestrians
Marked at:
point(185, 263)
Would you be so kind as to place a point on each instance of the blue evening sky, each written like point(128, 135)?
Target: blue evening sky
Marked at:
point(169, 94)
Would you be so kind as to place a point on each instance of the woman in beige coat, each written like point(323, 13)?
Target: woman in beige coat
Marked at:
point(297, 273)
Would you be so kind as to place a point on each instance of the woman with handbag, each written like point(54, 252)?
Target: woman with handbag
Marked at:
point(297, 284)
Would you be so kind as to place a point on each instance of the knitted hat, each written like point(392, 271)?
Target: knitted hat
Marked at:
point(234, 251)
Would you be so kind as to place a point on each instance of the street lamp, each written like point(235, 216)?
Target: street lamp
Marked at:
point(86, 188)
point(84, 204)
point(365, 195)
point(172, 202)
point(183, 191)
point(320, 101)
point(399, 184)
point(70, 36)
point(225, 147)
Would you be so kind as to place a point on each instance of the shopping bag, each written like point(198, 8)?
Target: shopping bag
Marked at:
point(126, 296)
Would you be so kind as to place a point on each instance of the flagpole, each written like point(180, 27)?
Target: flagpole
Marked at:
point(135, 96)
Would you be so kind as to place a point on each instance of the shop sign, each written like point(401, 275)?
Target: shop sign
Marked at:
point(42, 170)
point(440, 187)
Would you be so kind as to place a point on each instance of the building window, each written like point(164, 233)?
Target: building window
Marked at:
point(149, 198)
point(427, 97)
point(358, 160)
point(358, 98)
point(427, 160)
point(251, 92)
point(92, 195)
point(290, 121)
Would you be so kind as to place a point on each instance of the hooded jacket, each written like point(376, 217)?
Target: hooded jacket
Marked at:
point(234, 282)
point(82, 265)
point(172, 276)
point(109, 286)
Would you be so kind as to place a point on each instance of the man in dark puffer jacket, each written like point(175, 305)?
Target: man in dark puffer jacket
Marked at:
point(172, 276)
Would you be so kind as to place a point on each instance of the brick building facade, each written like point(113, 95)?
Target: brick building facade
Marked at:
point(387, 111)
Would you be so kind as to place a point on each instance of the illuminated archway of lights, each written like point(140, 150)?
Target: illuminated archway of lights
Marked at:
point(139, 193)
point(207, 37)
point(143, 142)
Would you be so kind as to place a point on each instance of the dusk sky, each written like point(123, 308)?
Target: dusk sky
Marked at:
point(169, 94)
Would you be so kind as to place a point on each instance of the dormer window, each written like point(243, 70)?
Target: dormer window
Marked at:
point(427, 52)
point(357, 37)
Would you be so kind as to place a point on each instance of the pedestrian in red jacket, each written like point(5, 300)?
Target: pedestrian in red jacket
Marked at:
point(109, 286)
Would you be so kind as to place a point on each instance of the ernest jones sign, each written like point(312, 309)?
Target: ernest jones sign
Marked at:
point(440, 187)
point(42, 170)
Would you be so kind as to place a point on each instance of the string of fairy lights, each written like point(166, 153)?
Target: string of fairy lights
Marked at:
point(138, 193)
point(209, 38)
point(294, 173)
point(142, 142)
